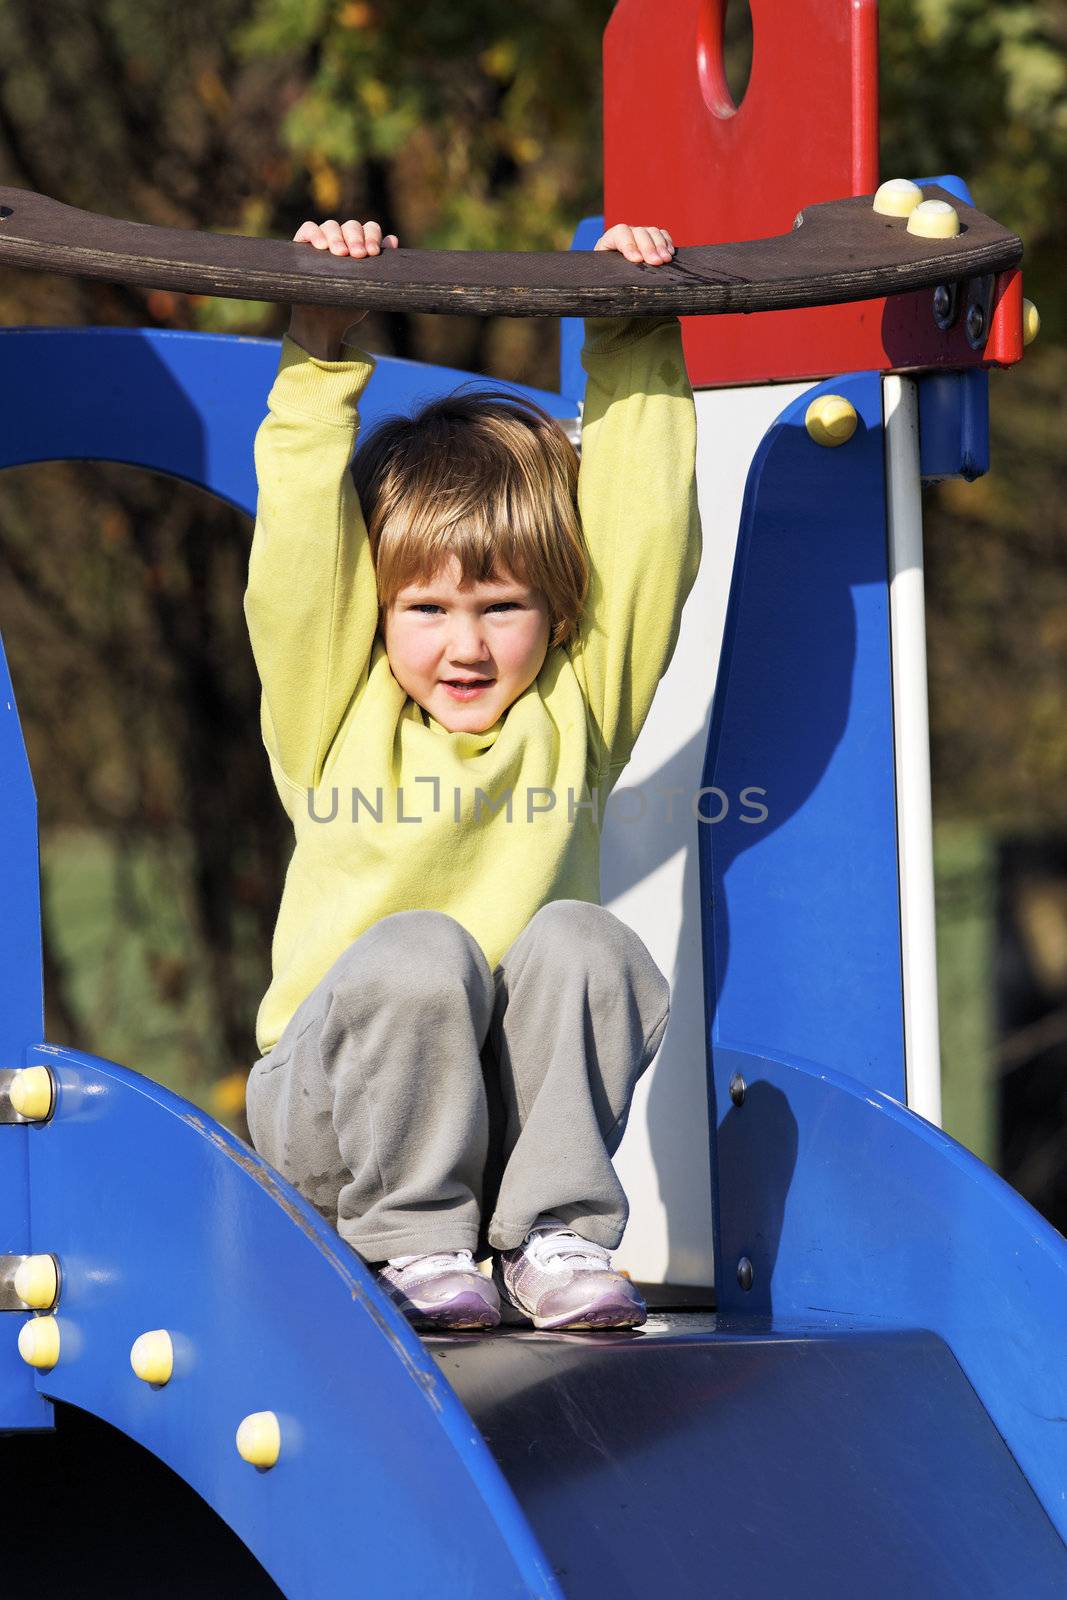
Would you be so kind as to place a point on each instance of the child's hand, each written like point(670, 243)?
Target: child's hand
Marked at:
point(653, 246)
point(321, 329)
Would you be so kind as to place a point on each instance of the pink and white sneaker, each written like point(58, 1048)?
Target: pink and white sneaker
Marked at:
point(445, 1290)
point(559, 1280)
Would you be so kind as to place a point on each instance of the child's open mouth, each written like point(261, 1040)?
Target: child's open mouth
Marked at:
point(467, 691)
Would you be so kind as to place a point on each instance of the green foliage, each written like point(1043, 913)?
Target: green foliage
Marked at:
point(965, 881)
point(979, 87)
point(489, 114)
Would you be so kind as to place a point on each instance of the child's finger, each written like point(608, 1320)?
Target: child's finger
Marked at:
point(391, 242)
point(631, 244)
point(650, 252)
point(661, 240)
point(621, 238)
point(311, 233)
point(354, 238)
point(331, 231)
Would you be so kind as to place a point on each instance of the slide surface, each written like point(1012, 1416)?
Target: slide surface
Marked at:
point(710, 1455)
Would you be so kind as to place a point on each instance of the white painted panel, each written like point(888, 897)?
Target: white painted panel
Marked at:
point(911, 735)
point(650, 873)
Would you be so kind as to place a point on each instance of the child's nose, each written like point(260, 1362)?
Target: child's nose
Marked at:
point(468, 643)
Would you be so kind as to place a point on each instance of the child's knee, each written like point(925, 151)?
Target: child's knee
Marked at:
point(581, 925)
point(416, 961)
point(580, 933)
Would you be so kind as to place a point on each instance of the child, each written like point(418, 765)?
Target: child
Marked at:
point(459, 640)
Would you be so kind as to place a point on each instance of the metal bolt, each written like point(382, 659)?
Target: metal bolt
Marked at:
point(737, 1089)
point(975, 325)
point(945, 298)
point(745, 1273)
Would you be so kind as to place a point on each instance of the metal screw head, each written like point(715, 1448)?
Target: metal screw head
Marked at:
point(975, 326)
point(737, 1089)
point(945, 296)
point(745, 1274)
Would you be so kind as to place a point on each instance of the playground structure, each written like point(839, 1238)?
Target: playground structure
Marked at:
point(877, 1400)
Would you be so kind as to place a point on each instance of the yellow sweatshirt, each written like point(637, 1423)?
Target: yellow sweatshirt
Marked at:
point(391, 811)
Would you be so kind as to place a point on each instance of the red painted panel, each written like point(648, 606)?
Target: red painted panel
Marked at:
point(678, 153)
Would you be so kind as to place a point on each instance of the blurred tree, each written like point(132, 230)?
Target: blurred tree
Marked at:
point(467, 126)
point(979, 87)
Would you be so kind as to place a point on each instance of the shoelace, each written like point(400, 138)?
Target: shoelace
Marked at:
point(443, 1261)
point(565, 1247)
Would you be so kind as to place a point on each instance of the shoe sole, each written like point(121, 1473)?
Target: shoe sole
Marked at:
point(465, 1311)
point(424, 1325)
point(609, 1313)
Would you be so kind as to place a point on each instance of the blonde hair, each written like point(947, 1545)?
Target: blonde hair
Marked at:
point(488, 477)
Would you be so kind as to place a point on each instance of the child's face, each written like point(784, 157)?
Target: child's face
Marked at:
point(438, 631)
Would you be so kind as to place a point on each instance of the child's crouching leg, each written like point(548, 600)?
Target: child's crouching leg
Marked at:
point(372, 1103)
point(581, 1009)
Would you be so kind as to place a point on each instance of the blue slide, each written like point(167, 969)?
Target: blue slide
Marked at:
point(876, 1406)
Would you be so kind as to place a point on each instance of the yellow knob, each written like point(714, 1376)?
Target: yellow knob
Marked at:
point(831, 419)
point(37, 1282)
point(897, 197)
point(39, 1342)
point(152, 1356)
point(934, 219)
point(1031, 322)
point(32, 1092)
point(259, 1439)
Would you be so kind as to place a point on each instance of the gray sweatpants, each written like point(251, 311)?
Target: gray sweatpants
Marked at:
point(416, 1093)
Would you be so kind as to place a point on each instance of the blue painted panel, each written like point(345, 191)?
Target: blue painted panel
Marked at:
point(953, 406)
point(187, 404)
point(801, 915)
point(21, 1022)
point(21, 1406)
point(572, 329)
point(952, 182)
point(849, 1205)
point(162, 1219)
point(953, 424)
point(21, 986)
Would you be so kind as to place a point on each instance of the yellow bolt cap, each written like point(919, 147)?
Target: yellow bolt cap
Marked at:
point(37, 1282)
point(934, 219)
point(259, 1439)
point(31, 1093)
point(1031, 322)
point(152, 1356)
point(897, 197)
point(831, 419)
point(39, 1342)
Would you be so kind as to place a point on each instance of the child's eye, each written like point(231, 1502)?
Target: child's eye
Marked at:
point(504, 605)
point(425, 607)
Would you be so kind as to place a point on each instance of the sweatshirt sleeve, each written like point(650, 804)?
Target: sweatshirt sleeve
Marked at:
point(638, 504)
point(311, 604)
